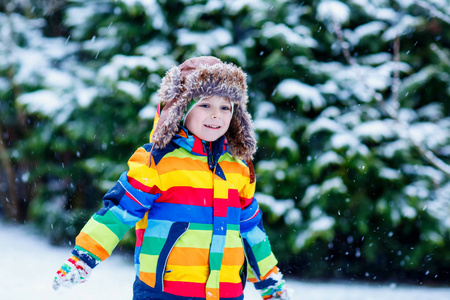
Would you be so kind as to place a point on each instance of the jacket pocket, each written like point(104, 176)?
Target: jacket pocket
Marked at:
point(176, 231)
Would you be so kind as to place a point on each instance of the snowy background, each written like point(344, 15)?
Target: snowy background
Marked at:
point(28, 264)
point(350, 101)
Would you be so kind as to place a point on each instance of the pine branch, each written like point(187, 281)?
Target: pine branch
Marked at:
point(392, 110)
point(434, 12)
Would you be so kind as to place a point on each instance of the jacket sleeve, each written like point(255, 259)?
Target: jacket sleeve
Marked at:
point(124, 205)
point(258, 251)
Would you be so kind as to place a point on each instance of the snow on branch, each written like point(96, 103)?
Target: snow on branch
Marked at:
point(392, 109)
point(434, 12)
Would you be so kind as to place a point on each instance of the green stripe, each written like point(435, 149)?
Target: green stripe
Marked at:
point(196, 239)
point(229, 158)
point(199, 226)
point(114, 224)
point(84, 250)
point(182, 153)
point(215, 261)
point(261, 250)
point(152, 245)
point(234, 227)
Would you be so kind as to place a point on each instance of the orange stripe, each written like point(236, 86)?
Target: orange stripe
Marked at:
point(86, 242)
point(212, 294)
point(233, 257)
point(148, 278)
point(234, 167)
point(178, 164)
point(182, 256)
point(140, 156)
point(273, 270)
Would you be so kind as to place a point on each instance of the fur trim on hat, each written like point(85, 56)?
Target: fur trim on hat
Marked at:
point(205, 77)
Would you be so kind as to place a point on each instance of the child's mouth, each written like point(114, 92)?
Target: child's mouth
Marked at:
point(212, 126)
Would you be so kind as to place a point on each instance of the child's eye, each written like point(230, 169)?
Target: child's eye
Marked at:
point(204, 105)
point(226, 108)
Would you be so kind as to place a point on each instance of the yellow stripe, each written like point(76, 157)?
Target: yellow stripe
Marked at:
point(142, 223)
point(195, 179)
point(143, 174)
point(102, 234)
point(230, 274)
point(248, 191)
point(187, 273)
point(220, 189)
point(236, 180)
point(148, 263)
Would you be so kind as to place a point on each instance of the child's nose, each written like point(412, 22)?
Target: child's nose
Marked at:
point(215, 114)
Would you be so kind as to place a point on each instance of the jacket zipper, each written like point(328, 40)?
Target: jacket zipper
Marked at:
point(167, 258)
point(207, 149)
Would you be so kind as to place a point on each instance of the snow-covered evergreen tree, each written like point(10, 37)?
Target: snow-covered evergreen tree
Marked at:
point(349, 98)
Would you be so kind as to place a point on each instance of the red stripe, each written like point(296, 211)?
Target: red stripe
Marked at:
point(185, 289)
point(198, 146)
point(139, 186)
point(197, 196)
point(187, 195)
point(139, 237)
point(230, 290)
point(220, 207)
point(246, 202)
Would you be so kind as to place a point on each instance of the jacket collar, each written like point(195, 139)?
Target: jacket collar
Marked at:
point(196, 146)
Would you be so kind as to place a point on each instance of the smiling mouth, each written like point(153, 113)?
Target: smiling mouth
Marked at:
point(212, 126)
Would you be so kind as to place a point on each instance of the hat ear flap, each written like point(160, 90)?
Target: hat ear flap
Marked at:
point(240, 135)
point(171, 86)
point(169, 93)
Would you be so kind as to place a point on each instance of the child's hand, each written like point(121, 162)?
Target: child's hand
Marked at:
point(73, 271)
point(273, 287)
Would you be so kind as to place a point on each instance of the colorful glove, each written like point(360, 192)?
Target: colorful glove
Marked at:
point(73, 271)
point(273, 287)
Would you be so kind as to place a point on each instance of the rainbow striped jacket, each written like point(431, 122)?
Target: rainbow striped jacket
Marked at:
point(199, 232)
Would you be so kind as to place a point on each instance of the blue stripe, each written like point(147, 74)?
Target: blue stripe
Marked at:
point(158, 228)
point(218, 243)
point(180, 212)
point(124, 216)
point(137, 251)
point(220, 226)
point(247, 222)
point(254, 236)
point(233, 214)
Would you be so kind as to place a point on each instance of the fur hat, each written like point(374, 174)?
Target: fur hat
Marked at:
point(200, 77)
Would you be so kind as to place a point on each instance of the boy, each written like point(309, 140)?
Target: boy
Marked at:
point(190, 195)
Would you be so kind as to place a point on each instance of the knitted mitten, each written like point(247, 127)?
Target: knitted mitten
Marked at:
point(73, 271)
point(273, 287)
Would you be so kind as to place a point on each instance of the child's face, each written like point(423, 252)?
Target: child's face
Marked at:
point(210, 118)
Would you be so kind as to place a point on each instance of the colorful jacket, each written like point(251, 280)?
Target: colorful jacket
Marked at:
point(198, 225)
